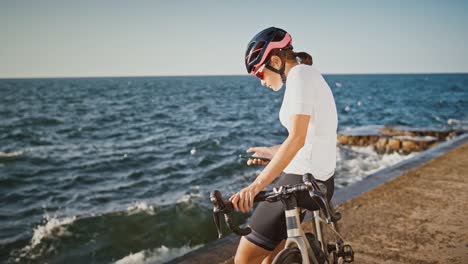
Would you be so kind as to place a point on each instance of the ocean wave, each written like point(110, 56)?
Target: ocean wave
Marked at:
point(415, 138)
point(458, 124)
point(53, 227)
point(190, 196)
point(55, 237)
point(157, 255)
point(356, 163)
point(361, 130)
point(39, 121)
point(140, 207)
point(10, 155)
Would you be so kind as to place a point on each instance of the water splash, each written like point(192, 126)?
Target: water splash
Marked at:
point(11, 155)
point(157, 255)
point(140, 207)
point(52, 228)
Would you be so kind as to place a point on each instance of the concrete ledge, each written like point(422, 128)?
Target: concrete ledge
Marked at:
point(220, 250)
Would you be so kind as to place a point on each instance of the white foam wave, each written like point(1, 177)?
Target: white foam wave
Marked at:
point(414, 138)
point(53, 227)
point(363, 130)
point(191, 195)
point(11, 155)
point(355, 163)
point(158, 255)
point(458, 124)
point(140, 207)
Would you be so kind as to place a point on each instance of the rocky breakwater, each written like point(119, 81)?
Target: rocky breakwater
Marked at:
point(396, 139)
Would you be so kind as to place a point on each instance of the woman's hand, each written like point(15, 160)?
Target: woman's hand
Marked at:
point(265, 152)
point(243, 200)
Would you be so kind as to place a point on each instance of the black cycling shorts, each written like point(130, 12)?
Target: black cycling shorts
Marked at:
point(268, 222)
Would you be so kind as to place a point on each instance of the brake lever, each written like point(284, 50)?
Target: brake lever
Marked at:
point(315, 191)
point(226, 208)
point(217, 223)
point(310, 181)
point(218, 207)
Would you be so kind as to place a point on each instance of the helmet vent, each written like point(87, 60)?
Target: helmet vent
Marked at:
point(278, 36)
point(255, 50)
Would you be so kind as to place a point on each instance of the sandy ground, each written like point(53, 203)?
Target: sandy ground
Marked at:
point(419, 217)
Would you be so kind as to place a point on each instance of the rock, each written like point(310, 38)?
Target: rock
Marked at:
point(362, 141)
point(381, 145)
point(394, 145)
point(391, 139)
point(390, 131)
point(357, 140)
point(343, 139)
point(409, 146)
point(415, 132)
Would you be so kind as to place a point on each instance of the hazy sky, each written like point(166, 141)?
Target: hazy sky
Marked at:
point(41, 38)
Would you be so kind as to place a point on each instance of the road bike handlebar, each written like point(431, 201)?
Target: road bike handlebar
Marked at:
point(309, 185)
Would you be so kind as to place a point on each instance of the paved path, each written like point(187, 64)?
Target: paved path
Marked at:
point(419, 217)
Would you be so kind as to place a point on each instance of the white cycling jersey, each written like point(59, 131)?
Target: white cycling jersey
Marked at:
point(308, 93)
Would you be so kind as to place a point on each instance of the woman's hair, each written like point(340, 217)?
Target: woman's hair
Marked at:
point(289, 55)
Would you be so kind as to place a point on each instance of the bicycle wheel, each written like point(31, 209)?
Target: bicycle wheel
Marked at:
point(289, 256)
point(318, 252)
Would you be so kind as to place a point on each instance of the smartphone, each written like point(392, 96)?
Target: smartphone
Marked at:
point(252, 157)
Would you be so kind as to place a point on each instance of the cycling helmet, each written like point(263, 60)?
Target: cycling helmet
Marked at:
point(262, 44)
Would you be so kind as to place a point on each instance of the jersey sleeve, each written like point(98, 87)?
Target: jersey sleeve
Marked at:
point(300, 93)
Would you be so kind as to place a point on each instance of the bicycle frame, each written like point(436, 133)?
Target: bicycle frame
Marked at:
point(296, 235)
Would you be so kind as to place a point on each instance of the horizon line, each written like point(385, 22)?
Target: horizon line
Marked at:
point(208, 75)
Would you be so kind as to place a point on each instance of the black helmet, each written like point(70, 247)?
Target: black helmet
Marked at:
point(262, 44)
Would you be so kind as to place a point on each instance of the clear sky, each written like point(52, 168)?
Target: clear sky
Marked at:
point(45, 38)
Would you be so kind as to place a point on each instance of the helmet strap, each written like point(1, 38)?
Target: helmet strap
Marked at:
point(280, 71)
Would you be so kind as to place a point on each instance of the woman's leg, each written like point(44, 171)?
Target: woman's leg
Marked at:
point(273, 254)
point(247, 253)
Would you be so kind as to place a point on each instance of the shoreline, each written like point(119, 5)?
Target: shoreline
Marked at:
point(350, 202)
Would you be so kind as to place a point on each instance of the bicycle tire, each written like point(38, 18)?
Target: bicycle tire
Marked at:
point(289, 256)
point(318, 252)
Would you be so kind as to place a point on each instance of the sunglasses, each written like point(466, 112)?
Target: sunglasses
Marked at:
point(259, 73)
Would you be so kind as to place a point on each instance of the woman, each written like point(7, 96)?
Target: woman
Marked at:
point(308, 112)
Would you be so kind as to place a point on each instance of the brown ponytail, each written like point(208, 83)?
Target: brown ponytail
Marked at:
point(290, 55)
point(304, 57)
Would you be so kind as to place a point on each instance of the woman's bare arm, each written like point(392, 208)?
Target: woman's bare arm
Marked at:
point(285, 152)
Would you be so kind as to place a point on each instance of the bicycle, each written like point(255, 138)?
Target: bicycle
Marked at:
point(300, 247)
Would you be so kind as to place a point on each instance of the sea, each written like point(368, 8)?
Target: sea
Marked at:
point(119, 170)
